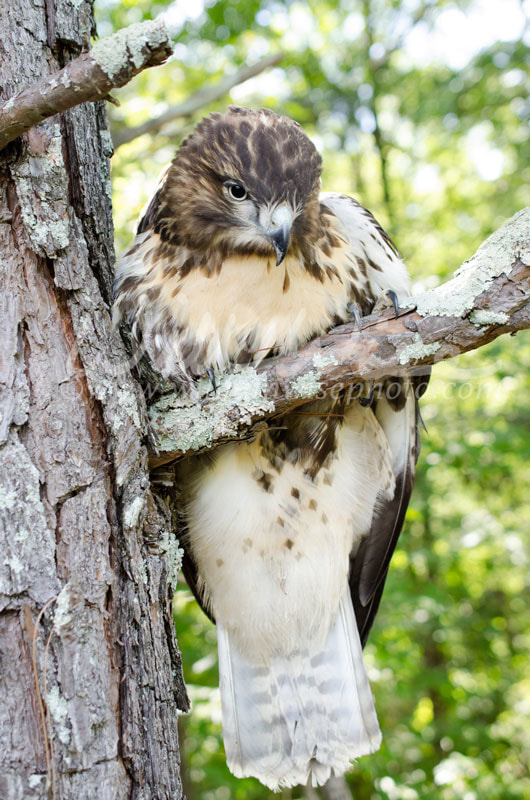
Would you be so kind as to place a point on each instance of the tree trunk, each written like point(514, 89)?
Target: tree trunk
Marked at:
point(90, 674)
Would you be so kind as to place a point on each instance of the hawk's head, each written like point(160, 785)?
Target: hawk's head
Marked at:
point(245, 182)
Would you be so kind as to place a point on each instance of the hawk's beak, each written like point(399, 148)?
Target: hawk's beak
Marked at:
point(280, 237)
point(277, 229)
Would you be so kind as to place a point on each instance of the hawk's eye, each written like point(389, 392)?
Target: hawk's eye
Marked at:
point(236, 191)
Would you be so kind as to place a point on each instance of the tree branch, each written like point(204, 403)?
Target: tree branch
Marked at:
point(197, 101)
point(111, 63)
point(488, 296)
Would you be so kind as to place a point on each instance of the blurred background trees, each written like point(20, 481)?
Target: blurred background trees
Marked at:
point(420, 109)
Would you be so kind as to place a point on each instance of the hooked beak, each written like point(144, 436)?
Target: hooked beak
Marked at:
point(280, 237)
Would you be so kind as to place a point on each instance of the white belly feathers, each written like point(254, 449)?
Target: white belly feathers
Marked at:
point(272, 548)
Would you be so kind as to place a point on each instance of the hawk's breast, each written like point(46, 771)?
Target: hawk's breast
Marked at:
point(240, 309)
point(272, 540)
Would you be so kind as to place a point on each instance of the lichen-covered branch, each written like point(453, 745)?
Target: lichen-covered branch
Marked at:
point(111, 63)
point(204, 97)
point(488, 296)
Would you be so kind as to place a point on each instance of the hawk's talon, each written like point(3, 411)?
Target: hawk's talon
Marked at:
point(354, 311)
point(211, 375)
point(394, 298)
point(367, 401)
point(388, 299)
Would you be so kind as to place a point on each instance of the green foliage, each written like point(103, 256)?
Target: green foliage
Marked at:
point(438, 154)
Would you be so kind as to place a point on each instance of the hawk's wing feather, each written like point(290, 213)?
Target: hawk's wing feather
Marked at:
point(398, 419)
point(372, 248)
point(369, 567)
point(182, 473)
point(190, 572)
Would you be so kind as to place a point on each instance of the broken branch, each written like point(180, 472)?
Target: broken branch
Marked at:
point(111, 63)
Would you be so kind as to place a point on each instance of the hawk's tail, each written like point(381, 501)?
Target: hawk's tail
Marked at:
point(298, 718)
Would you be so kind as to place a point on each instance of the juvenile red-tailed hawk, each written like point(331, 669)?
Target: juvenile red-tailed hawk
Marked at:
point(289, 537)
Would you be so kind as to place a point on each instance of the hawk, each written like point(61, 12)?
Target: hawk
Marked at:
point(288, 538)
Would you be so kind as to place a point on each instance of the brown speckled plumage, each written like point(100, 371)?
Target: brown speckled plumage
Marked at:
point(190, 210)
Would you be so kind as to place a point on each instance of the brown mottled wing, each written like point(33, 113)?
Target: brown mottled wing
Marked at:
point(369, 566)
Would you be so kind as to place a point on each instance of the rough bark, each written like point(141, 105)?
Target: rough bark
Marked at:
point(488, 296)
point(90, 674)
